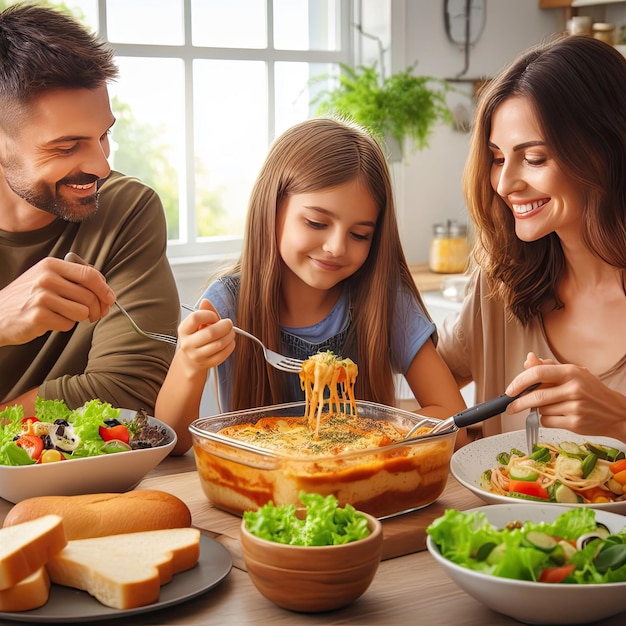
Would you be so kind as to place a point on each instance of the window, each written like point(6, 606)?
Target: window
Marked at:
point(204, 87)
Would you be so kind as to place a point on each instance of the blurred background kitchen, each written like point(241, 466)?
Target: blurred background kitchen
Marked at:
point(206, 85)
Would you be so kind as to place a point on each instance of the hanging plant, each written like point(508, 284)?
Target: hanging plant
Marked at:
point(401, 106)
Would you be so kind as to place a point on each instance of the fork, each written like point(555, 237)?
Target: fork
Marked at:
point(278, 361)
point(532, 429)
point(72, 257)
point(145, 333)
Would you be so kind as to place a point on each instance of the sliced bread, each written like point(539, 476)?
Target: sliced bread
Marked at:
point(26, 547)
point(126, 571)
point(29, 593)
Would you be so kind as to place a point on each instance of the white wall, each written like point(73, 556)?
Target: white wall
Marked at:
point(428, 187)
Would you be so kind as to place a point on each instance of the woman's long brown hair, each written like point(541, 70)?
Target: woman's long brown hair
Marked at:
point(577, 88)
point(319, 154)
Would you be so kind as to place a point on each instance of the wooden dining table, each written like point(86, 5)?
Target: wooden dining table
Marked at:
point(409, 588)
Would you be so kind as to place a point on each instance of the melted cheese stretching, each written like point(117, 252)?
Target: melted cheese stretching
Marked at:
point(339, 375)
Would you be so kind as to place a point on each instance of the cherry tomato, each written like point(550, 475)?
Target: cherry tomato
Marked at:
point(32, 444)
point(556, 574)
point(51, 456)
point(119, 432)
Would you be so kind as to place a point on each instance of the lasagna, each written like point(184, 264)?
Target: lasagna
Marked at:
point(324, 371)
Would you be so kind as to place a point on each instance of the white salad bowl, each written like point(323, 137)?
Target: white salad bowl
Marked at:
point(469, 462)
point(534, 602)
point(114, 473)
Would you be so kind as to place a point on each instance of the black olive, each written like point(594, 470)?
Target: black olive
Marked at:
point(61, 422)
point(112, 422)
point(583, 540)
point(47, 442)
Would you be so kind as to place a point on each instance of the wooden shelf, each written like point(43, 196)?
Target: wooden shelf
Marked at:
point(561, 4)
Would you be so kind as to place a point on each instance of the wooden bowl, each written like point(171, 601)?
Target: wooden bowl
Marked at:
point(311, 579)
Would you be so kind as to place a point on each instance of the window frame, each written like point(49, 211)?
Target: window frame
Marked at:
point(190, 246)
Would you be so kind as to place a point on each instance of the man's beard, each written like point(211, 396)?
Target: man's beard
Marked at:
point(47, 198)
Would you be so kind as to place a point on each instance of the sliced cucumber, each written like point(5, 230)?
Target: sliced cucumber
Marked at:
point(541, 541)
point(571, 449)
point(523, 472)
point(562, 553)
point(484, 550)
point(495, 556)
point(523, 496)
point(563, 494)
point(605, 452)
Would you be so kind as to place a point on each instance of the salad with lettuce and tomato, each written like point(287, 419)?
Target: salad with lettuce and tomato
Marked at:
point(574, 548)
point(56, 432)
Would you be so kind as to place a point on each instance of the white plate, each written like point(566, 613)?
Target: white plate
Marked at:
point(531, 602)
point(470, 461)
point(106, 473)
point(67, 605)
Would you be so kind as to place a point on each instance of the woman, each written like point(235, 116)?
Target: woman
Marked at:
point(549, 290)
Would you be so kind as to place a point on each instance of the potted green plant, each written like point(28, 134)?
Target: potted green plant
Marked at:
point(401, 106)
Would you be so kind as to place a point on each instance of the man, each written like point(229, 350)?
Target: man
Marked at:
point(59, 339)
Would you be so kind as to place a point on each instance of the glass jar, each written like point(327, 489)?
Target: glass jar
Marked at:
point(449, 248)
point(604, 32)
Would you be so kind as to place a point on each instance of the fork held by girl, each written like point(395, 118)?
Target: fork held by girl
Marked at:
point(322, 268)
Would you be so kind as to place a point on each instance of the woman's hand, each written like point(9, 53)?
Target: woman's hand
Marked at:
point(205, 340)
point(569, 397)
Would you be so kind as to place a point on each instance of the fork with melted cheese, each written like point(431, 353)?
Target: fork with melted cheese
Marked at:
point(322, 370)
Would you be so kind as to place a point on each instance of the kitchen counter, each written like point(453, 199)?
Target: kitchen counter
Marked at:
point(427, 280)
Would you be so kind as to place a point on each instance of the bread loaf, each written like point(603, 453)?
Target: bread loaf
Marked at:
point(26, 547)
point(97, 515)
point(29, 593)
point(126, 571)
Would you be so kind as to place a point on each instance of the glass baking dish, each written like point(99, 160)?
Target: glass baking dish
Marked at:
point(383, 481)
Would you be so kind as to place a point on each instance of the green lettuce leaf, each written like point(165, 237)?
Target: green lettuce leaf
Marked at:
point(462, 537)
point(324, 523)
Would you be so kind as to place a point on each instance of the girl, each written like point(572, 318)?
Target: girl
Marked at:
point(545, 185)
point(322, 268)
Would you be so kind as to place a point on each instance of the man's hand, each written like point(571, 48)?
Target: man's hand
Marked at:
point(51, 295)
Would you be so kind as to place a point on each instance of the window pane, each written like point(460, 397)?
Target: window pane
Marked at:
point(157, 22)
point(295, 90)
point(148, 135)
point(229, 24)
point(306, 25)
point(230, 115)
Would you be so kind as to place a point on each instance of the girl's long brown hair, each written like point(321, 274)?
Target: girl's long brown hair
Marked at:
point(577, 88)
point(319, 154)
